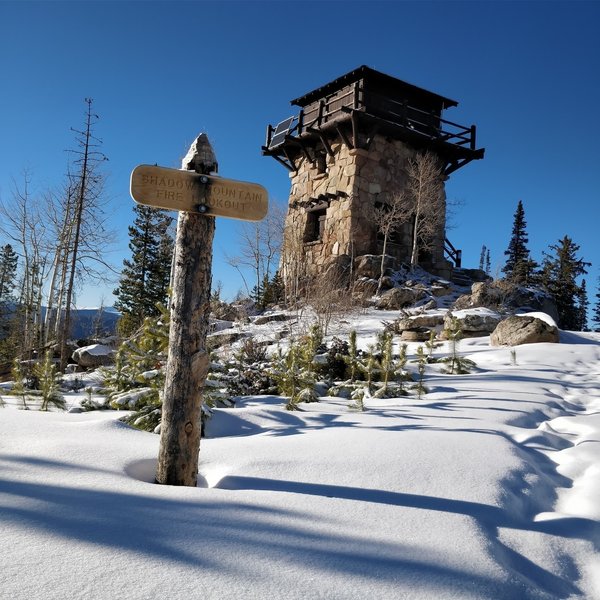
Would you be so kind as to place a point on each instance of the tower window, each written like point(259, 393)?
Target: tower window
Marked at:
point(315, 225)
point(321, 160)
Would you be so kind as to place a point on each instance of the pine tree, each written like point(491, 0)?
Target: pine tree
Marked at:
point(582, 307)
point(145, 278)
point(421, 362)
point(519, 267)
point(596, 312)
point(482, 258)
point(559, 275)
point(49, 383)
point(8, 272)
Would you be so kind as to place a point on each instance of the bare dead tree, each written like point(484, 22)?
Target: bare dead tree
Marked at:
point(260, 247)
point(425, 189)
point(88, 185)
point(329, 298)
point(23, 224)
point(388, 218)
point(59, 211)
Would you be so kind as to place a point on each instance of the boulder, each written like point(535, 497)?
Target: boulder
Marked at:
point(365, 286)
point(530, 299)
point(338, 271)
point(217, 340)
point(221, 311)
point(271, 318)
point(524, 329)
point(369, 265)
point(387, 283)
point(397, 298)
point(474, 323)
point(440, 289)
point(94, 356)
point(507, 295)
point(417, 321)
point(216, 325)
point(482, 294)
point(419, 334)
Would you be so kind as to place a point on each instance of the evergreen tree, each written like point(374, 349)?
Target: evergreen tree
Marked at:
point(8, 272)
point(482, 258)
point(519, 267)
point(582, 307)
point(49, 383)
point(559, 275)
point(271, 291)
point(596, 312)
point(145, 278)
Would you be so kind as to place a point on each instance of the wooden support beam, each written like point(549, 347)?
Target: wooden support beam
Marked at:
point(326, 144)
point(354, 120)
point(281, 161)
point(344, 136)
point(455, 165)
point(290, 159)
point(269, 135)
point(323, 139)
point(373, 131)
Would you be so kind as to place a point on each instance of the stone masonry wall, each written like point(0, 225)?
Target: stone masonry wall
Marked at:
point(353, 181)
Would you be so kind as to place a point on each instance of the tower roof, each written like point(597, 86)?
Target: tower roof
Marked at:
point(377, 78)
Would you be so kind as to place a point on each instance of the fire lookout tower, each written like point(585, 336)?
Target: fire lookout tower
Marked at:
point(346, 151)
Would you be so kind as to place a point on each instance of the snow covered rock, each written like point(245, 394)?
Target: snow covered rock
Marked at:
point(271, 318)
point(399, 297)
point(96, 355)
point(525, 329)
point(417, 321)
point(504, 294)
point(217, 340)
point(474, 323)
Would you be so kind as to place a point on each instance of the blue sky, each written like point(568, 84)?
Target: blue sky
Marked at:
point(526, 73)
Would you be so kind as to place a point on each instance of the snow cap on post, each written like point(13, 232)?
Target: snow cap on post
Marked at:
point(200, 157)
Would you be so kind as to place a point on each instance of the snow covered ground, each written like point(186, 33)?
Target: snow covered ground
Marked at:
point(488, 487)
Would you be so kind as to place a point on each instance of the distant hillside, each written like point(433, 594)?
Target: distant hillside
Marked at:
point(88, 322)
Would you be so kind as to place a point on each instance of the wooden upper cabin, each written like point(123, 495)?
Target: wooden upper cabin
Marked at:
point(362, 103)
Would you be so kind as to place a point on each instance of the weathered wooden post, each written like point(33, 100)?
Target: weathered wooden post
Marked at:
point(199, 197)
point(187, 362)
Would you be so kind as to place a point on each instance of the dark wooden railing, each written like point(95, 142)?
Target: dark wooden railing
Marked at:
point(452, 253)
point(355, 98)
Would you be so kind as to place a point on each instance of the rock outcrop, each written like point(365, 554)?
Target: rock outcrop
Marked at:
point(94, 356)
point(502, 295)
point(526, 329)
point(399, 297)
point(474, 323)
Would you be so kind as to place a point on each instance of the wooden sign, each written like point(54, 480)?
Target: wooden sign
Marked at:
point(189, 191)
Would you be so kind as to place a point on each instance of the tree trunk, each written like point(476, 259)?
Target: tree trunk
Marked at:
point(382, 265)
point(187, 363)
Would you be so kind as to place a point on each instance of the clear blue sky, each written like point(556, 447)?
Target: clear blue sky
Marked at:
point(526, 73)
